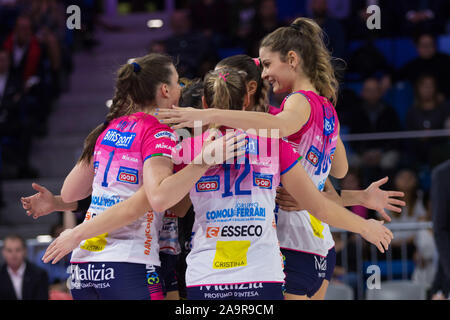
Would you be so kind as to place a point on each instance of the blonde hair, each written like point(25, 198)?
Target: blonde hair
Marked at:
point(225, 89)
point(253, 69)
point(306, 38)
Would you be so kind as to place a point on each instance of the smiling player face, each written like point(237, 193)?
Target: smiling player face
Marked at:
point(278, 73)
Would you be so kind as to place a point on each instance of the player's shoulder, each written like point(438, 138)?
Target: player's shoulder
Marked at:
point(151, 123)
point(298, 100)
point(300, 95)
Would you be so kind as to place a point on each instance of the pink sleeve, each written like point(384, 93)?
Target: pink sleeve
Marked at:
point(274, 110)
point(288, 157)
point(158, 141)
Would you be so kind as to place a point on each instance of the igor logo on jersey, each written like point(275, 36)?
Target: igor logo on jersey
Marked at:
point(261, 180)
point(209, 183)
point(128, 175)
point(117, 139)
point(313, 156)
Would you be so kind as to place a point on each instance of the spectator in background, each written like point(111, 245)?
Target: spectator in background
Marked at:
point(242, 15)
point(441, 224)
point(378, 158)
point(10, 86)
point(26, 60)
point(419, 15)
point(158, 47)
point(420, 245)
point(429, 112)
point(211, 17)
point(414, 211)
point(266, 21)
point(335, 33)
point(429, 61)
point(48, 17)
point(9, 11)
point(25, 50)
point(15, 129)
point(367, 61)
point(337, 9)
point(19, 278)
point(191, 49)
point(357, 20)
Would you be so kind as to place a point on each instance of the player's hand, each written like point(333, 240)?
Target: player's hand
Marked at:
point(61, 246)
point(376, 233)
point(219, 149)
point(39, 204)
point(377, 199)
point(178, 117)
point(285, 201)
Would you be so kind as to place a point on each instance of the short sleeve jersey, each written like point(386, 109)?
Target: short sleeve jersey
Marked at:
point(316, 143)
point(119, 156)
point(234, 233)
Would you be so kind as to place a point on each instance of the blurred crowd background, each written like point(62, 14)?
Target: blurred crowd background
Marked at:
point(395, 79)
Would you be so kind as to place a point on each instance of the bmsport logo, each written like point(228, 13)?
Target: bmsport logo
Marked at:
point(117, 139)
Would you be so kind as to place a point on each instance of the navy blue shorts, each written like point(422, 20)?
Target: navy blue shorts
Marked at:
point(115, 281)
point(305, 272)
point(237, 291)
point(331, 263)
point(169, 272)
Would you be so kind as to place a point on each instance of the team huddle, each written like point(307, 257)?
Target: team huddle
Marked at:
point(255, 178)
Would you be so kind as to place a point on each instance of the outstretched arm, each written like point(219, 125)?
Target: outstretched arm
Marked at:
point(300, 186)
point(117, 216)
point(111, 219)
point(372, 198)
point(295, 114)
point(78, 183)
point(44, 202)
point(164, 190)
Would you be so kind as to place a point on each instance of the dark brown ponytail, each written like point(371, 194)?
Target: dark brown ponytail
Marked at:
point(136, 86)
point(305, 37)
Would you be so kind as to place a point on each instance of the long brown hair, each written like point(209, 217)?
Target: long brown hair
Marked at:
point(136, 86)
point(305, 37)
point(437, 96)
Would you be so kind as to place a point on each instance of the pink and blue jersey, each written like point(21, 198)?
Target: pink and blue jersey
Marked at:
point(119, 156)
point(316, 143)
point(234, 233)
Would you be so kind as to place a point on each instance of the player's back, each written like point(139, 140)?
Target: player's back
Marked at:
point(119, 156)
point(234, 233)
